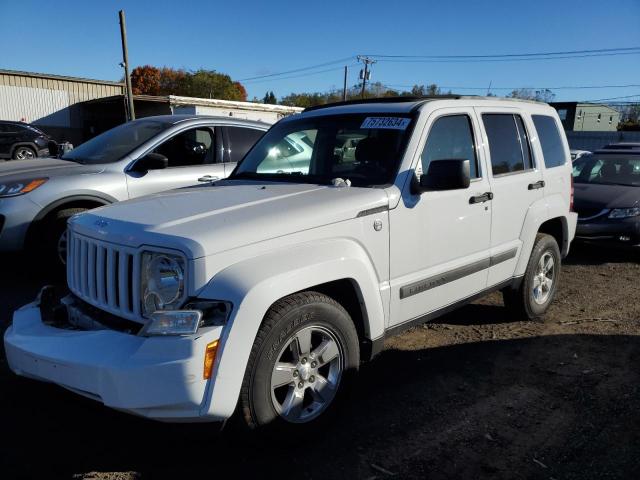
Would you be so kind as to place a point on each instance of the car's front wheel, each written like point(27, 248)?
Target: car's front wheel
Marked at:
point(56, 236)
point(303, 359)
point(24, 153)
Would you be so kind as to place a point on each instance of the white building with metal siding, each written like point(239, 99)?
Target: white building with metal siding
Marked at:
point(49, 100)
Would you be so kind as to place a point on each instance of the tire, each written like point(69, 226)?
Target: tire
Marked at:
point(24, 153)
point(534, 296)
point(312, 381)
point(55, 229)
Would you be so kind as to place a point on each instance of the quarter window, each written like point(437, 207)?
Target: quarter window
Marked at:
point(550, 140)
point(508, 143)
point(450, 137)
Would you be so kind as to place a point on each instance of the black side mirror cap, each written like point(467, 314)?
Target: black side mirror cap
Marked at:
point(151, 161)
point(449, 174)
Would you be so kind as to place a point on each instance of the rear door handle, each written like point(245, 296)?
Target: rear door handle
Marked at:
point(485, 197)
point(537, 185)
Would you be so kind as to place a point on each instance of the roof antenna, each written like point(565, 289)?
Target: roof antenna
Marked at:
point(489, 89)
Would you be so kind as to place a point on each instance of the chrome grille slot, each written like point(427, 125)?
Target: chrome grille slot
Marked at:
point(104, 275)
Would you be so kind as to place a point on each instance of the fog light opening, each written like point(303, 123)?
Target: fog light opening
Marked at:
point(209, 359)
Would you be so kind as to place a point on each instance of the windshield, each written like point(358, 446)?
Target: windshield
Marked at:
point(364, 149)
point(608, 169)
point(114, 144)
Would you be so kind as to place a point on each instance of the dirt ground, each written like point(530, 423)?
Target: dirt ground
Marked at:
point(471, 395)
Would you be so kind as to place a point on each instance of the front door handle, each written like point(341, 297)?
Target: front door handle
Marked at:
point(208, 178)
point(485, 197)
point(537, 185)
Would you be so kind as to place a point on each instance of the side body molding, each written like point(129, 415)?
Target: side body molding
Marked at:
point(254, 284)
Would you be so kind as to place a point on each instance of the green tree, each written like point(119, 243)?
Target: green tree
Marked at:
point(544, 95)
point(211, 84)
point(270, 98)
point(630, 118)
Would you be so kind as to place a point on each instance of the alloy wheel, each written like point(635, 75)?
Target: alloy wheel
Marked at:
point(307, 373)
point(543, 279)
point(24, 154)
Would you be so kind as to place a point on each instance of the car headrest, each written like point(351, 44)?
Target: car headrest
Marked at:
point(626, 169)
point(372, 150)
point(608, 169)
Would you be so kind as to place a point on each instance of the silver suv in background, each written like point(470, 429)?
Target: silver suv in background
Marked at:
point(145, 156)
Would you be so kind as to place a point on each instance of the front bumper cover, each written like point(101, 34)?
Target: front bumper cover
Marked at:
point(610, 231)
point(155, 377)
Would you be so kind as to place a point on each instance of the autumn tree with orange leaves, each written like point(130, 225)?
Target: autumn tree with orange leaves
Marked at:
point(150, 80)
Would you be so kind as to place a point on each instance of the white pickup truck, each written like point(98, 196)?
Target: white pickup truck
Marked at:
point(262, 294)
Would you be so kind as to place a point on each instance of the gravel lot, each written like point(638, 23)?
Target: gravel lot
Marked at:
point(473, 395)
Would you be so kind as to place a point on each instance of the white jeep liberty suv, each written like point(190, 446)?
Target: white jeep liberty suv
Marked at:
point(343, 225)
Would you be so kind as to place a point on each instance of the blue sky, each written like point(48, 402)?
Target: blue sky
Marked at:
point(250, 38)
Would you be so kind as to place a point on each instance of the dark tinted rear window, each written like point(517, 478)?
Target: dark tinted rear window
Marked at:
point(550, 140)
point(241, 140)
point(508, 143)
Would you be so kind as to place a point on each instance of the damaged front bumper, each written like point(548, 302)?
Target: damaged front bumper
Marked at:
point(155, 377)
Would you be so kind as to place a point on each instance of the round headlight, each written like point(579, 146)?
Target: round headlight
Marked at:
point(165, 281)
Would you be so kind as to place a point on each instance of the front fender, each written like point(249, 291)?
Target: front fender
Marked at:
point(253, 285)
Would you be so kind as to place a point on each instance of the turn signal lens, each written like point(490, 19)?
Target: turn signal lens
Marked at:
point(33, 184)
point(572, 196)
point(209, 359)
point(20, 187)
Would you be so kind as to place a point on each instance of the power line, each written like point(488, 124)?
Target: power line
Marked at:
point(253, 82)
point(505, 55)
point(564, 87)
point(302, 69)
point(500, 60)
point(612, 98)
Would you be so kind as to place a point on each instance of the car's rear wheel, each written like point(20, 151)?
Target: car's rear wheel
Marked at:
point(303, 360)
point(24, 153)
point(539, 285)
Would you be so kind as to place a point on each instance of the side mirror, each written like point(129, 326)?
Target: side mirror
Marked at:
point(151, 161)
point(450, 174)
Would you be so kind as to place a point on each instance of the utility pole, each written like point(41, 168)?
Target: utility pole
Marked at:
point(125, 60)
point(344, 87)
point(366, 74)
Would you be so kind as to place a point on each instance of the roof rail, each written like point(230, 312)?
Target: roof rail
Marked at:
point(383, 100)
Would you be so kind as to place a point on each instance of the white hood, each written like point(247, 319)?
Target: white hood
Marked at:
point(205, 220)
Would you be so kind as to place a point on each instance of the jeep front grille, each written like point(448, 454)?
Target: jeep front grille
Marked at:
point(104, 275)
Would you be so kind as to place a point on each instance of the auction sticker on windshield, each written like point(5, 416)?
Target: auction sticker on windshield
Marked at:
point(394, 123)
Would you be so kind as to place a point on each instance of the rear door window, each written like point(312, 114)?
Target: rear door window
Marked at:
point(241, 140)
point(550, 140)
point(508, 143)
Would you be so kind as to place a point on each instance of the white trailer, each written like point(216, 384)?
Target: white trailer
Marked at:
point(245, 110)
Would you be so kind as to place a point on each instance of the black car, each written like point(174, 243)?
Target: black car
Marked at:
point(21, 141)
point(607, 197)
